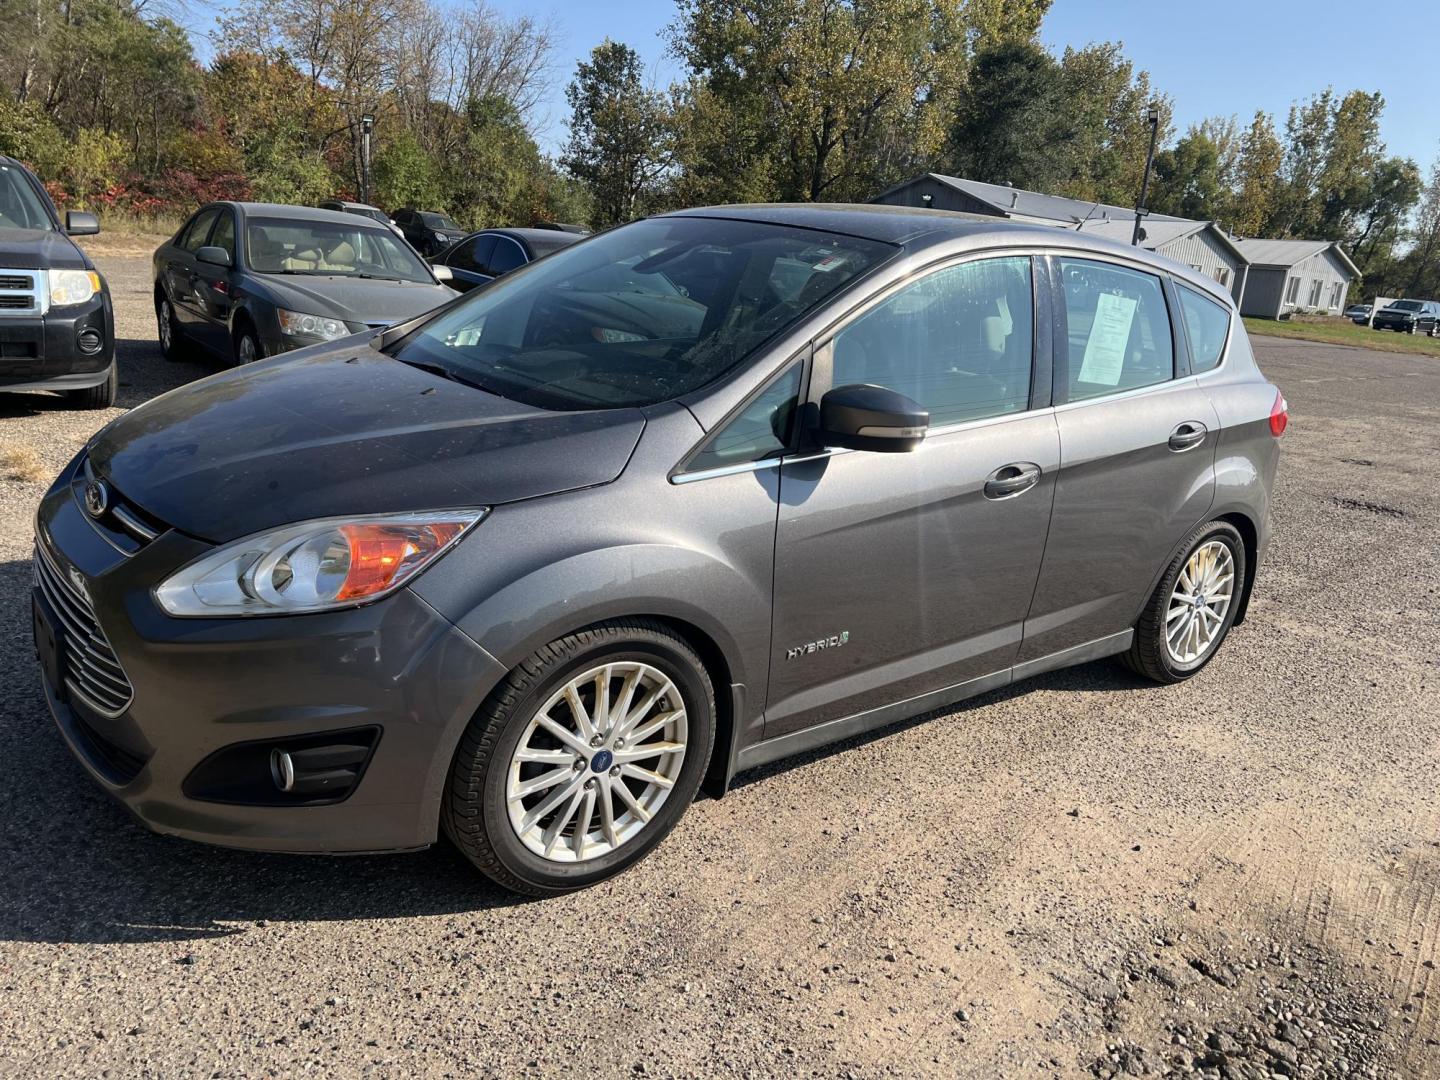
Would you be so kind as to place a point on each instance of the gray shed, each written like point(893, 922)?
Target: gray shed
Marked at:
point(1296, 275)
point(940, 192)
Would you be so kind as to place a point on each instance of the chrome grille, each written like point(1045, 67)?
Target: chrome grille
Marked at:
point(23, 291)
point(92, 673)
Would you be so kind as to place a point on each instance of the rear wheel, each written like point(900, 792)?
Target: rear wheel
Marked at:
point(96, 397)
point(583, 759)
point(167, 327)
point(1193, 607)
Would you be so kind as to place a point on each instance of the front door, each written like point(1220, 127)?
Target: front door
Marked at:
point(901, 574)
point(1137, 443)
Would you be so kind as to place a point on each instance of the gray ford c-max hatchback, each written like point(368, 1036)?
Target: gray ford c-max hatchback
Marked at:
point(692, 495)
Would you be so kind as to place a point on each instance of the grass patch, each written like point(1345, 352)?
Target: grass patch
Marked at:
point(1338, 333)
point(22, 463)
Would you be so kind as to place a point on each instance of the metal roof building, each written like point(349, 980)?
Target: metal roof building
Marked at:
point(1296, 275)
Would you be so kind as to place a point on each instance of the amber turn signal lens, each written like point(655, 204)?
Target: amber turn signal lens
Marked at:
point(379, 553)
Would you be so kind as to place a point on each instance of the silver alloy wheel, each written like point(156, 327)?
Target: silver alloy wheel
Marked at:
point(246, 349)
point(167, 328)
point(1200, 601)
point(597, 761)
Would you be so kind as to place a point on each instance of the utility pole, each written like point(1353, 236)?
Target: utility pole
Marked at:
point(1152, 116)
point(367, 125)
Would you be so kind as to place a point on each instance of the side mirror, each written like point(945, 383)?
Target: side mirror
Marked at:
point(78, 223)
point(215, 256)
point(863, 417)
point(442, 273)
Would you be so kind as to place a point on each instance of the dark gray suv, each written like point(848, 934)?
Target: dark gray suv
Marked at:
point(689, 496)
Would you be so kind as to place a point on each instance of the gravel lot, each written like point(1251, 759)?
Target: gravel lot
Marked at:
point(1080, 875)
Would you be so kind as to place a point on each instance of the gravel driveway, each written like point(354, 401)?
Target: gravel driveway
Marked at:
point(1078, 875)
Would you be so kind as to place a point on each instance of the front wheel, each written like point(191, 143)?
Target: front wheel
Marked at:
point(247, 347)
point(583, 759)
point(96, 397)
point(1193, 607)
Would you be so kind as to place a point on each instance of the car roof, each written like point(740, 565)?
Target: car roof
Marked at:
point(285, 212)
point(543, 236)
point(916, 229)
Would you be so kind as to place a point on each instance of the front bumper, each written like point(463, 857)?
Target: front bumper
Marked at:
point(202, 685)
point(44, 352)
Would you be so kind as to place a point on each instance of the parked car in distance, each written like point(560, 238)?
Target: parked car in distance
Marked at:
point(1409, 317)
point(57, 326)
point(374, 213)
point(702, 492)
point(485, 255)
point(429, 232)
point(248, 280)
point(1358, 313)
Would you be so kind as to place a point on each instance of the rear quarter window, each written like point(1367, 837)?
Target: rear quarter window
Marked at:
point(1208, 325)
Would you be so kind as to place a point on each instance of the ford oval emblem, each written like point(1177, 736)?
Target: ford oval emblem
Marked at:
point(97, 498)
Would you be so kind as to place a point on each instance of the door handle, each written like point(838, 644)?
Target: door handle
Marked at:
point(1009, 480)
point(1188, 436)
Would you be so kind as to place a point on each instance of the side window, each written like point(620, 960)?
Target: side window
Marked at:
point(224, 234)
point(507, 256)
point(1119, 329)
point(761, 430)
point(199, 229)
point(1208, 324)
point(958, 341)
point(473, 255)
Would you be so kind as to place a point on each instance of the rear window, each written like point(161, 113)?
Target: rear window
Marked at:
point(642, 314)
point(1119, 329)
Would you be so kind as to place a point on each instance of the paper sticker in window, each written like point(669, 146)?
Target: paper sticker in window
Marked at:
point(1109, 339)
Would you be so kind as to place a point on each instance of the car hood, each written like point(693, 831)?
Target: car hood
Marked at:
point(363, 301)
point(39, 249)
point(329, 431)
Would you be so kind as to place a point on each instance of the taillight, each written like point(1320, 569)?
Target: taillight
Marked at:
point(1279, 415)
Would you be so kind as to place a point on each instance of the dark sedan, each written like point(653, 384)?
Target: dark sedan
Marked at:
point(1409, 317)
point(486, 255)
point(429, 232)
point(248, 280)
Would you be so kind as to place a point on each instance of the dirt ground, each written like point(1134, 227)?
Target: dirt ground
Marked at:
point(1081, 875)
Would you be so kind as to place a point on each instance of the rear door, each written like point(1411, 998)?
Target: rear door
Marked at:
point(1137, 453)
point(899, 574)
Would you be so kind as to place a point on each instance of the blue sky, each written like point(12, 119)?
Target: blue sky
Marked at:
point(1216, 58)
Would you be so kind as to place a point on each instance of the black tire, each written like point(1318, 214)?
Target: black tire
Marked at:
point(245, 336)
point(96, 397)
point(1148, 654)
point(473, 812)
point(165, 319)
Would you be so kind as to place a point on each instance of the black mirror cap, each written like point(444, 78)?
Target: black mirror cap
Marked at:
point(865, 417)
point(79, 223)
point(215, 256)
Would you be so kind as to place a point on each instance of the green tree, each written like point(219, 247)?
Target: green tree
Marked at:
point(1102, 134)
point(1257, 181)
point(619, 134)
point(1010, 126)
point(1187, 178)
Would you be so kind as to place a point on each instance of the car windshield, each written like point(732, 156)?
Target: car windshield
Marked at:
point(439, 221)
point(1407, 305)
point(330, 249)
point(641, 314)
point(20, 207)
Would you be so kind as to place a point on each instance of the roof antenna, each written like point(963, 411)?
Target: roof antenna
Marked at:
point(1087, 216)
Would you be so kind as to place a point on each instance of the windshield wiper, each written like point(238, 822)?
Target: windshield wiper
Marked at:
point(442, 371)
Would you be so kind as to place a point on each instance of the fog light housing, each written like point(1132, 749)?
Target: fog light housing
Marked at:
point(90, 340)
point(308, 770)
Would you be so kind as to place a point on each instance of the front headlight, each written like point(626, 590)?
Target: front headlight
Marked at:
point(298, 324)
point(314, 565)
point(69, 287)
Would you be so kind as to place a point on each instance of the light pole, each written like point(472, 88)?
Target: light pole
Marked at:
point(367, 125)
point(1152, 116)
